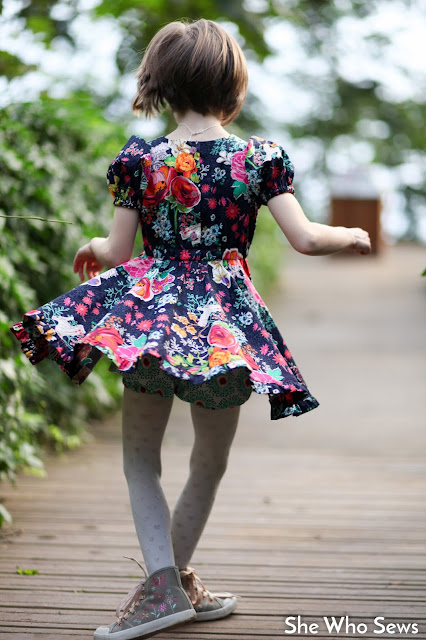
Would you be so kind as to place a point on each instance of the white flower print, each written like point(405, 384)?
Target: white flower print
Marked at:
point(158, 153)
point(271, 152)
point(225, 157)
point(179, 146)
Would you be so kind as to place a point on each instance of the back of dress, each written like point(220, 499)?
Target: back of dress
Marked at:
point(198, 199)
point(184, 317)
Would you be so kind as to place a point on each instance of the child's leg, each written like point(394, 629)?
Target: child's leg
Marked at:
point(214, 432)
point(145, 418)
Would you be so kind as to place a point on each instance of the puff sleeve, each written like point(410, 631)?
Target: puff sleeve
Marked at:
point(275, 170)
point(126, 175)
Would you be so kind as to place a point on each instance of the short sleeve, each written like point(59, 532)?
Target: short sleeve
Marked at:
point(126, 175)
point(275, 170)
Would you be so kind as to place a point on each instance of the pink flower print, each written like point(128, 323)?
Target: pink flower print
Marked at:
point(261, 376)
point(279, 359)
point(128, 318)
point(95, 311)
point(264, 349)
point(90, 292)
point(238, 169)
point(255, 326)
point(67, 302)
point(205, 188)
point(138, 315)
point(81, 309)
point(212, 203)
point(287, 353)
point(129, 303)
point(220, 336)
point(162, 607)
point(265, 333)
point(87, 300)
point(162, 316)
point(126, 356)
point(145, 325)
point(137, 267)
point(208, 286)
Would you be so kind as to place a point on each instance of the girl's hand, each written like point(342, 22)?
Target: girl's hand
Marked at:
point(85, 259)
point(361, 241)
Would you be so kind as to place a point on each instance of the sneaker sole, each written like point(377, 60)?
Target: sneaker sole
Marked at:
point(229, 606)
point(146, 629)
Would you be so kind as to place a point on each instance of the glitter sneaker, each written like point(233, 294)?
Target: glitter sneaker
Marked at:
point(155, 604)
point(209, 606)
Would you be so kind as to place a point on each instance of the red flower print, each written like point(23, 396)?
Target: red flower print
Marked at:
point(105, 336)
point(67, 302)
point(145, 325)
point(264, 349)
point(185, 192)
point(95, 311)
point(220, 336)
point(212, 203)
point(205, 188)
point(265, 333)
point(184, 255)
point(128, 318)
point(222, 201)
point(234, 228)
point(232, 211)
point(275, 172)
point(287, 353)
point(87, 300)
point(255, 326)
point(81, 309)
point(158, 185)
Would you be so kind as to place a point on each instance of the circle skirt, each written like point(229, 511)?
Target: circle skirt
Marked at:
point(195, 328)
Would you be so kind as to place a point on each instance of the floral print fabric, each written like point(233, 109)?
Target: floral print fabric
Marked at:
point(187, 305)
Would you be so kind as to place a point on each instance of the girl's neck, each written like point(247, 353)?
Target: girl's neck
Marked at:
point(194, 126)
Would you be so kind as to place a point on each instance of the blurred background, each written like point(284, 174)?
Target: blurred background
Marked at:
point(339, 83)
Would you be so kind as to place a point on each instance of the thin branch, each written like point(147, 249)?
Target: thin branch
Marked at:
point(37, 218)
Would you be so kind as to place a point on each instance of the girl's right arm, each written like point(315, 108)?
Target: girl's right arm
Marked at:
point(313, 238)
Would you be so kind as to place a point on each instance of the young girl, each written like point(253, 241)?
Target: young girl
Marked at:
point(184, 317)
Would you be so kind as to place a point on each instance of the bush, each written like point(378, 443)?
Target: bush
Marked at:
point(53, 160)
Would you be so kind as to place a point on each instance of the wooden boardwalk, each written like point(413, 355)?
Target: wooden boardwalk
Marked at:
point(319, 516)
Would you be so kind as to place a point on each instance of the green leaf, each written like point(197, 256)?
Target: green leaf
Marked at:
point(26, 572)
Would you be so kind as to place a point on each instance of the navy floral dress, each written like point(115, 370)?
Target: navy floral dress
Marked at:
point(184, 317)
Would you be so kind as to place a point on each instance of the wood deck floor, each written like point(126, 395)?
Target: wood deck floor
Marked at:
point(302, 526)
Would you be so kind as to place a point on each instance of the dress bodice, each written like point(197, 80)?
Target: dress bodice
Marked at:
point(198, 199)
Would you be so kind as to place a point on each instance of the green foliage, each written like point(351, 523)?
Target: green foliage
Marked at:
point(26, 572)
point(53, 159)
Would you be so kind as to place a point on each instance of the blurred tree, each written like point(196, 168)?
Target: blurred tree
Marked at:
point(340, 105)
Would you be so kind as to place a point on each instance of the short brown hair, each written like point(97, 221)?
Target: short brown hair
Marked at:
point(192, 65)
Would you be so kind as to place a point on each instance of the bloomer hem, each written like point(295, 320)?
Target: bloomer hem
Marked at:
point(85, 355)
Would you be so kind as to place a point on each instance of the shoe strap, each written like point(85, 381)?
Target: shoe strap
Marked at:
point(133, 597)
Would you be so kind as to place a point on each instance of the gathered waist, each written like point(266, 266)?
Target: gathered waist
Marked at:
point(198, 255)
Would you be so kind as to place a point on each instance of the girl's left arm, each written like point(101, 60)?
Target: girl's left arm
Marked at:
point(112, 251)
